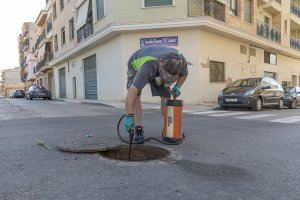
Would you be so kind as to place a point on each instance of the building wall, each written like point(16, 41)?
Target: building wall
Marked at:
point(117, 11)
point(109, 72)
point(62, 20)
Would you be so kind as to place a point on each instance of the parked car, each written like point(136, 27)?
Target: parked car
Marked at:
point(291, 97)
point(19, 94)
point(252, 93)
point(35, 92)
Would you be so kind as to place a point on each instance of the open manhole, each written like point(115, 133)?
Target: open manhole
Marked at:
point(138, 153)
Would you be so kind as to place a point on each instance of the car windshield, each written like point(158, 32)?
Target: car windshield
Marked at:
point(245, 83)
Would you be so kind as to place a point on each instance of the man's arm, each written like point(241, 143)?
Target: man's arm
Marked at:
point(131, 99)
point(181, 80)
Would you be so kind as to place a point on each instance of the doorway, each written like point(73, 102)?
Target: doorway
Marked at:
point(74, 88)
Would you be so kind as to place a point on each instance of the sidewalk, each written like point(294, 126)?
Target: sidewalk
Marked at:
point(146, 106)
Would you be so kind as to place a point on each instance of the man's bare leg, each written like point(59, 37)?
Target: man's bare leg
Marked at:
point(138, 112)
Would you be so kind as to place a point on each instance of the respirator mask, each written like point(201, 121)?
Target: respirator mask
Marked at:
point(172, 62)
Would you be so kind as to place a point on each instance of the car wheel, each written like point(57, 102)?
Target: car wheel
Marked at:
point(30, 98)
point(258, 105)
point(280, 105)
point(294, 104)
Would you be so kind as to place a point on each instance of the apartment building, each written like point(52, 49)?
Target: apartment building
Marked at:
point(225, 41)
point(44, 49)
point(26, 47)
point(11, 81)
point(64, 34)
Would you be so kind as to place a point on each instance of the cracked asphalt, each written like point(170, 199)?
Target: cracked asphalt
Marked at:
point(221, 158)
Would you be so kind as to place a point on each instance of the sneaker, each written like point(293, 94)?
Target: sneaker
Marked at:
point(139, 135)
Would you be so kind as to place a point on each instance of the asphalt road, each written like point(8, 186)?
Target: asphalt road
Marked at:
point(223, 157)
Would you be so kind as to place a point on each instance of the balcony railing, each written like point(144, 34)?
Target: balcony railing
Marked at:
point(49, 27)
point(85, 31)
point(47, 58)
point(266, 31)
point(295, 9)
point(212, 8)
point(295, 43)
point(40, 39)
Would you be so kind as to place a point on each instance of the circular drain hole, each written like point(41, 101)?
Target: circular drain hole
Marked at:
point(138, 153)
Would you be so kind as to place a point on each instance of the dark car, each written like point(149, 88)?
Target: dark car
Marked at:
point(37, 92)
point(291, 97)
point(19, 94)
point(252, 93)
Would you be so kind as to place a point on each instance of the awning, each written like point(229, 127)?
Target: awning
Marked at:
point(82, 14)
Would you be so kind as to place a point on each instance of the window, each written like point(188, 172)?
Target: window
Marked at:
point(248, 10)
point(233, 7)
point(243, 49)
point(216, 72)
point(55, 43)
point(100, 9)
point(270, 58)
point(71, 29)
point(62, 4)
point(151, 3)
point(54, 11)
point(63, 36)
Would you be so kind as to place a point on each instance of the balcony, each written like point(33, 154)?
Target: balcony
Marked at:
point(295, 43)
point(212, 8)
point(85, 31)
point(49, 27)
point(40, 39)
point(272, 6)
point(268, 32)
point(295, 9)
point(47, 58)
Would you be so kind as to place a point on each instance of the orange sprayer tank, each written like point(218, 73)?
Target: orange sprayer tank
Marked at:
point(173, 121)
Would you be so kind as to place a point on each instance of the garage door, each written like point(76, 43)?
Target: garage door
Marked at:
point(62, 83)
point(90, 77)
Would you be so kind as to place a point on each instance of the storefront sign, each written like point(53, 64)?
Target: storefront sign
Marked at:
point(164, 41)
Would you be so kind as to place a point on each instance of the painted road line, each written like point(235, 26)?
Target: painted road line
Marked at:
point(208, 112)
point(256, 116)
point(228, 114)
point(287, 120)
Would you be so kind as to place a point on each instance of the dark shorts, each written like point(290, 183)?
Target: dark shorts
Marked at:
point(156, 90)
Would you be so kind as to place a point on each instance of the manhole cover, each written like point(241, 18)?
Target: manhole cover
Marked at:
point(92, 144)
point(138, 153)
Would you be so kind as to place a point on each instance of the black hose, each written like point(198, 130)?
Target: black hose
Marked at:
point(145, 140)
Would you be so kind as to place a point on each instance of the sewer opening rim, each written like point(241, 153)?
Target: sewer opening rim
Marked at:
point(139, 153)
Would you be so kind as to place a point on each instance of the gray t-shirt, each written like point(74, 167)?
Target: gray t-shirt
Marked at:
point(149, 70)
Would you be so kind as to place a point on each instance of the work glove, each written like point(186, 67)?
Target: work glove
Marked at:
point(176, 90)
point(129, 122)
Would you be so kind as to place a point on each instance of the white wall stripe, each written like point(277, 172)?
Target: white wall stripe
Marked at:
point(256, 116)
point(287, 120)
